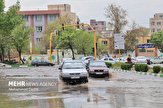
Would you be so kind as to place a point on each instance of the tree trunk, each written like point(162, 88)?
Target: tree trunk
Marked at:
point(20, 57)
point(72, 50)
point(84, 52)
point(2, 54)
point(9, 58)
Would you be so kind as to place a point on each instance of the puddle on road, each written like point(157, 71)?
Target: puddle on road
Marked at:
point(89, 96)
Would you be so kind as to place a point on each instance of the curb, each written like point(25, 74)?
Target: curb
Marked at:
point(141, 73)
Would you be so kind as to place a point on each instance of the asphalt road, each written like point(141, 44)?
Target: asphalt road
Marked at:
point(122, 90)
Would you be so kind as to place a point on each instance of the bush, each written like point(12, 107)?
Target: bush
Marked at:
point(126, 66)
point(156, 69)
point(162, 69)
point(117, 65)
point(108, 64)
point(141, 67)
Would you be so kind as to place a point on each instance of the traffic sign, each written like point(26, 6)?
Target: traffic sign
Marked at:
point(118, 41)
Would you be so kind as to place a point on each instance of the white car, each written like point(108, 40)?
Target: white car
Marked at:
point(141, 59)
point(73, 70)
point(157, 60)
point(108, 59)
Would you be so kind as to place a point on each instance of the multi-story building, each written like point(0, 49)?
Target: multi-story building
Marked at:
point(156, 23)
point(39, 19)
point(99, 26)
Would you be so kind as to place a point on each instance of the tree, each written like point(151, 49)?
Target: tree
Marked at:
point(8, 21)
point(116, 17)
point(55, 26)
point(131, 36)
point(157, 38)
point(21, 37)
point(101, 49)
point(86, 42)
point(67, 40)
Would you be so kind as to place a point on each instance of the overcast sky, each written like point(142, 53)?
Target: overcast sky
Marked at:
point(138, 10)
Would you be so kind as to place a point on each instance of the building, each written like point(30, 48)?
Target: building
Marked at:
point(156, 23)
point(39, 19)
point(99, 26)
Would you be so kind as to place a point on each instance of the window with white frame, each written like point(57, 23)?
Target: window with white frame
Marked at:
point(38, 28)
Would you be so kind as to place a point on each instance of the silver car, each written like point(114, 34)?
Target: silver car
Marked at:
point(73, 70)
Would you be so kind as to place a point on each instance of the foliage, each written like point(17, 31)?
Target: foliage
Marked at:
point(156, 69)
point(108, 64)
point(116, 17)
point(126, 66)
point(132, 35)
point(67, 40)
point(157, 38)
point(101, 49)
point(2, 6)
point(86, 42)
point(141, 67)
point(21, 37)
point(54, 27)
point(162, 69)
point(8, 21)
point(117, 65)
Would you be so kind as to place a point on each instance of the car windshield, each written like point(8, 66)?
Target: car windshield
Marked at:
point(73, 65)
point(97, 64)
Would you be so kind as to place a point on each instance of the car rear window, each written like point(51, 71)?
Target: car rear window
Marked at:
point(97, 64)
point(73, 65)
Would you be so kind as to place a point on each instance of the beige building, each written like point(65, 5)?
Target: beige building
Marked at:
point(65, 9)
point(156, 23)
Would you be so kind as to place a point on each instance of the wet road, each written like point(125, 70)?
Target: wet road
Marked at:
point(122, 90)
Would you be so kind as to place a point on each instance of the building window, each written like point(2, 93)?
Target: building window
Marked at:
point(51, 17)
point(38, 40)
point(158, 30)
point(38, 28)
point(158, 23)
point(161, 16)
point(153, 23)
point(25, 17)
point(105, 42)
point(148, 40)
point(38, 18)
point(153, 30)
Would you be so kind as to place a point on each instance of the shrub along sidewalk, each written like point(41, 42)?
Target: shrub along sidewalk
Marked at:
point(138, 68)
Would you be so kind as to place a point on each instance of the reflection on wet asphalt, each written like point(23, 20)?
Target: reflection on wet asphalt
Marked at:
point(123, 90)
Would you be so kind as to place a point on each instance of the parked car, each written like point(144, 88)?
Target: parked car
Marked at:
point(142, 59)
point(108, 59)
point(86, 60)
point(157, 60)
point(41, 63)
point(73, 70)
point(98, 68)
point(121, 60)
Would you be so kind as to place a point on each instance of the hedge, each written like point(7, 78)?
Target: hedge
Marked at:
point(156, 69)
point(141, 67)
point(108, 64)
point(126, 66)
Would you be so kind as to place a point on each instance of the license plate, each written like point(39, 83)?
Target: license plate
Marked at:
point(99, 73)
point(75, 77)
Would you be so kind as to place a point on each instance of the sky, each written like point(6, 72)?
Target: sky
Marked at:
point(138, 10)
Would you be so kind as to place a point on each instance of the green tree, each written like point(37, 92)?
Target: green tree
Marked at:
point(54, 26)
point(157, 38)
point(101, 49)
point(86, 42)
point(116, 17)
point(67, 40)
point(21, 37)
point(8, 21)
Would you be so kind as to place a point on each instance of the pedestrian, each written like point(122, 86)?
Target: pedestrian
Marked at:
point(129, 59)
